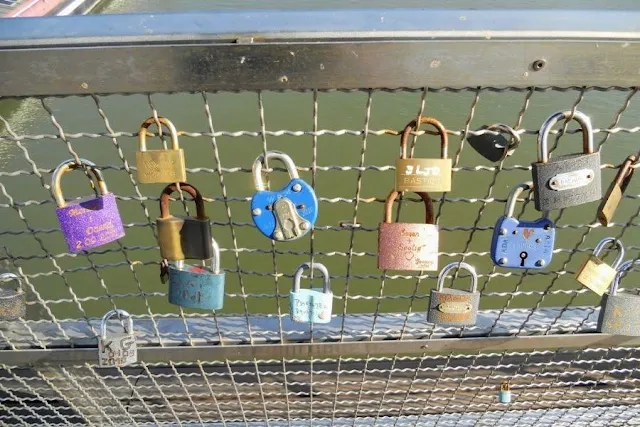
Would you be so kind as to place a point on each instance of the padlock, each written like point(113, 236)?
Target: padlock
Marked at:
point(522, 244)
point(12, 301)
point(183, 237)
point(289, 213)
point(594, 273)
point(405, 246)
point(196, 286)
point(495, 146)
point(616, 190)
point(454, 307)
point(311, 305)
point(419, 175)
point(89, 222)
point(160, 166)
point(619, 313)
point(117, 349)
point(567, 180)
point(504, 395)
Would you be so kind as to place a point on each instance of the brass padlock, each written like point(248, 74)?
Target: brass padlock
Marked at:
point(419, 175)
point(184, 237)
point(594, 273)
point(12, 302)
point(614, 194)
point(160, 166)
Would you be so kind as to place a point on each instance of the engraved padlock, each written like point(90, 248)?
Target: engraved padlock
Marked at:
point(504, 395)
point(289, 213)
point(596, 274)
point(311, 305)
point(88, 222)
point(614, 193)
point(619, 313)
point(195, 286)
point(12, 301)
point(567, 180)
point(405, 246)
point(522, 244)
point(454, 307)
point(160, 166)
point(117, 349)
point(417, 175)
point(184, 237)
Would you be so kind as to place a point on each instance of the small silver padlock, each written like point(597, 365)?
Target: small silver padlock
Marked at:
point(596, 274)
point(620, 311)
point(454, 307)
point(117, 349)
point(311, 305)
point(12, 302)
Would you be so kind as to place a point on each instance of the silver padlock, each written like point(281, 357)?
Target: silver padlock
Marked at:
point(454, 307)
point(12, 302)
point(620, 311)
point(117, 349)
point(311, 305)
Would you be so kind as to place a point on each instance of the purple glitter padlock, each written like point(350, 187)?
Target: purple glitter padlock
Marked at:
point(89, 222)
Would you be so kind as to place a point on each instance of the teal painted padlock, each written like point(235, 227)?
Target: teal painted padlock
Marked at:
point(194, 286)
point(504, 395)
point(311, 305)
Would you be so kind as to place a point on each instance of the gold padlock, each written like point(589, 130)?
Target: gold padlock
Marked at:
point(424, 175)
point(594, 273)
point(615, 191)
point(160, 166)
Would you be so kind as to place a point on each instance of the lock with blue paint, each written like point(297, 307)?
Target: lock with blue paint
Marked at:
point(504, 395)
point(522, 244)
point(289, 213)
point(311, 305)
point(195, 286)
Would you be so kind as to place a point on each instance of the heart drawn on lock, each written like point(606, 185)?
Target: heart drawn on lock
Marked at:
point(527, 232)
point(409, 255)
point(323, 315)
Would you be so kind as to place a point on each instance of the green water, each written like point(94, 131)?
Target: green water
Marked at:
point(119, 274)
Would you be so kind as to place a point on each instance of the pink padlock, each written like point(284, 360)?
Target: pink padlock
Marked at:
point(403, 246)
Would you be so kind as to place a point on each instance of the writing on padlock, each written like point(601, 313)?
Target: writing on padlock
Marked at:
point(183, 237)
point(117, 349)
point(616, 190)
point(89, 222)
point(522, 244)
point(454, 307)
point(403, 246)
point(619, 314)
point(415, 174)
point(195, 286)
point(567, 180)
point(12, 301)
point(160, 166)
point(289, 213)
point(311, 305)
point(594, 273)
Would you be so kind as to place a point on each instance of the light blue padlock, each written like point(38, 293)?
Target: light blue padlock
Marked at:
point(504, 396)
point(194, 286)
point(311, 305)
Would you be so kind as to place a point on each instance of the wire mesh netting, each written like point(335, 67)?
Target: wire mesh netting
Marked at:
point(344, 143)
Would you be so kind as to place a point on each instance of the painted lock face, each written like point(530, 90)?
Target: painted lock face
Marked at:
point(311, 305)
point(417, 175)
point(504, 395)
point(619, 314)
point(289, 213)
point(568, 180)
point(90, 222)
point(403, 246)
point(522, 244)
point(160, 166)
point(195, 286)
point(454, 307)
point(12, 301)
point(117, 349)
point(596, 274)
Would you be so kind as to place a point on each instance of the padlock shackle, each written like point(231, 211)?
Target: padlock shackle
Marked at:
point(543, 135)
point(68, 166)
point(215, 259)
point(462, 266)
point(510, 205)
point(504, 128)
point(624, 267)
point(188, 188)
point(428, 203)
point(6, 277)
point(616, 243)
point(326, 287)
point(276, 155)
point(411, 126)
point(109, 315)
point(142, 134)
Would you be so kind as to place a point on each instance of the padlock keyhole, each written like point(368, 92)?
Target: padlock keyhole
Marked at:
point(523, 256)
